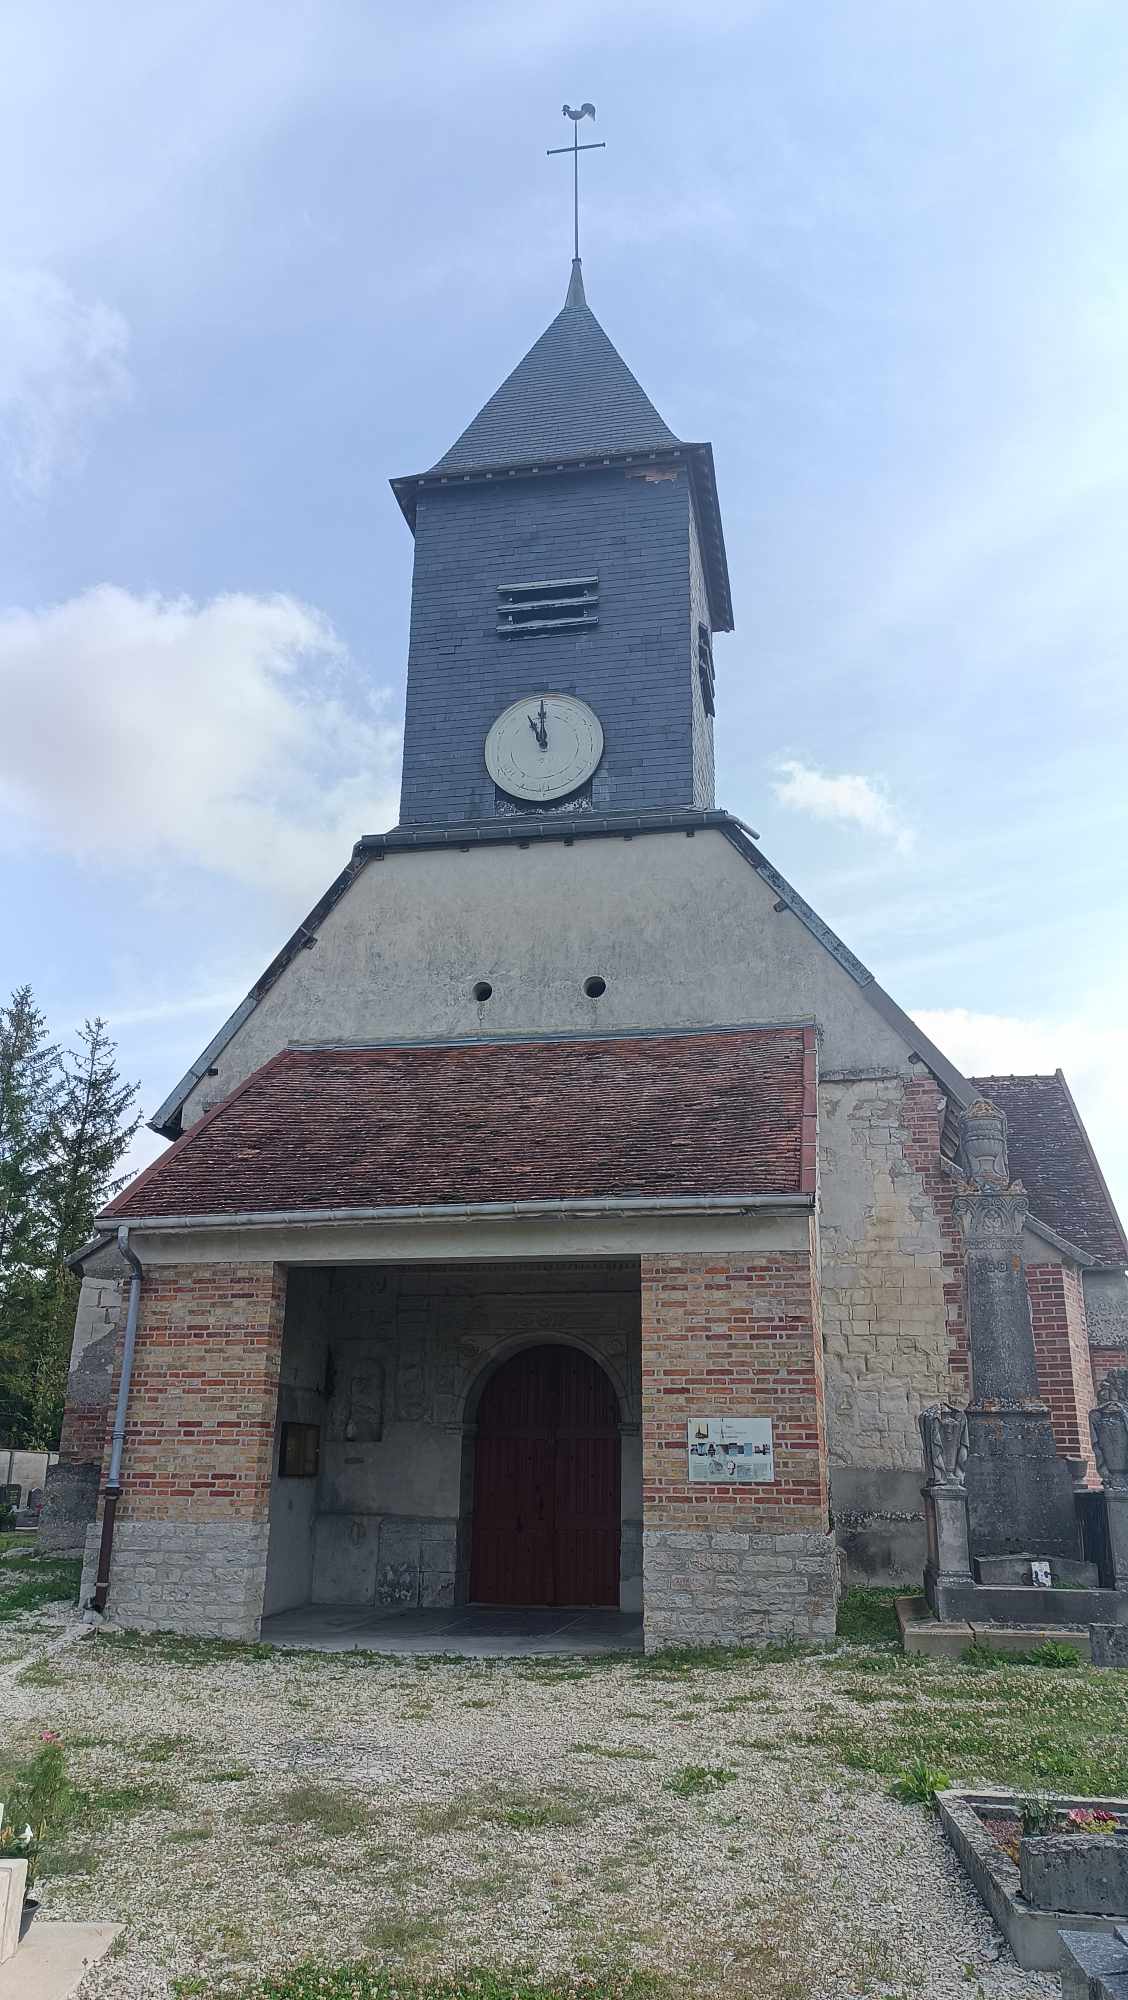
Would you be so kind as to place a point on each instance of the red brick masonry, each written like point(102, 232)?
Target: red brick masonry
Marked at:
point(726, 1332)
point(1061, 1350)
point(200, 1428)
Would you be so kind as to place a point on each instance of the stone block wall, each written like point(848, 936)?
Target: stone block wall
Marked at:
point(191, 1536)
point(722, 1564)
point(1061, 1350)
point(71, 1492)
point(893, 1312)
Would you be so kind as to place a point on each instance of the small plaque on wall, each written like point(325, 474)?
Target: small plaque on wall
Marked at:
point(727, 1451)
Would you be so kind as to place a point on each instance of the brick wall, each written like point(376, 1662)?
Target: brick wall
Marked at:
point(1061, 1349)
point(200, 1427)
point(191, 1539)
point(737, 1334)
point(636, 668)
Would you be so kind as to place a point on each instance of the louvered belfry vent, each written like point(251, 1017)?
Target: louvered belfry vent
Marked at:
point(558, 604)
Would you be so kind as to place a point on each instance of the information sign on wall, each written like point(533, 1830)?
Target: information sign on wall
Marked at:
point(736, 1450)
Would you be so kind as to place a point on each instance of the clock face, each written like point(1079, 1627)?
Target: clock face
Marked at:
point(544, 747)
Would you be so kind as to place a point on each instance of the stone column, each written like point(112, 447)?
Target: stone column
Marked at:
point(944, 1435)
point(1108, 1424)
point(1020, 1493)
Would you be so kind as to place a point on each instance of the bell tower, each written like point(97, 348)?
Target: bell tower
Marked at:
point(570, 575)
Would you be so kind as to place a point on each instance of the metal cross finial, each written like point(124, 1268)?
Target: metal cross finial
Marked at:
point(593, 146)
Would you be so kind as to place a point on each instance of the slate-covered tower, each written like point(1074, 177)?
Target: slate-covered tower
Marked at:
point(567, 542)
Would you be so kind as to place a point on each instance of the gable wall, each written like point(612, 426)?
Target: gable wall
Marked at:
point(682, 929)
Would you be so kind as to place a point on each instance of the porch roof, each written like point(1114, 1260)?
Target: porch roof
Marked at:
point(727, 1112)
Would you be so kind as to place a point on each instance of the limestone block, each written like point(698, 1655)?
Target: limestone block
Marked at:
point(1076, 1872)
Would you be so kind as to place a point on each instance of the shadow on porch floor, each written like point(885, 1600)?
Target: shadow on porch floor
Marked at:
point(472, 1630)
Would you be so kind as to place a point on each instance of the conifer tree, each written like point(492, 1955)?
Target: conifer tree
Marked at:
point(65, 1121)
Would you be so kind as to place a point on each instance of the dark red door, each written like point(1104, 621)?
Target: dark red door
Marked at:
point(546, 1483)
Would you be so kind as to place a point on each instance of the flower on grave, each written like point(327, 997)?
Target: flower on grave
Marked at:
point(50, 1736)
point(1091, 1819)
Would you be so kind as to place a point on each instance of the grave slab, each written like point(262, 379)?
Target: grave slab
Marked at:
point(53, 1959)
point(1033, 1935)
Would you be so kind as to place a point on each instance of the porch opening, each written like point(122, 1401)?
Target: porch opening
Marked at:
point(477, 1453)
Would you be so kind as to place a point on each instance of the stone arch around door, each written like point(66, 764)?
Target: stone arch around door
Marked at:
point(547, 1476)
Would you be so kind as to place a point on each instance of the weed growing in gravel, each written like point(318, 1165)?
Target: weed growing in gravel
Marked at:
point(184, 1836)
point(328, 1812)
point(159, 1749)
point(694, 1780)
point(867, 1617)
point(557, 1805)
point(174, 1649)
point(56, 1863)
point(41, 1674)
point(398, 1936)
point(29, 1582)
point(627, 1751)
point(315, 1980)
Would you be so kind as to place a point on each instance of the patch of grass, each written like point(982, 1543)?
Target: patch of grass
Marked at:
point(627, 1751)
point(328, 1812)
point(28, 1583)
point(399, 1936)
point(173, 1648)
point(866, 1617)
point(1003, 1723)
point(558, 1805)
point(185, 1836)
point(59, 1862)
point(98, 1802)
point(697, 1780)
point(162, 1749)
point(1052, 1653)
point(41, 1674)
point(682, 1662)
point(237, 1775)
point(478, 1701)
point(315, 1980)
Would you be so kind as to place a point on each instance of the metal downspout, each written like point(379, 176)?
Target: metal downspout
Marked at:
point(113, 1483)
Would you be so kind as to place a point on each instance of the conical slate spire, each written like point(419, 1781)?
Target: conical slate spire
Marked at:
point(572, 396)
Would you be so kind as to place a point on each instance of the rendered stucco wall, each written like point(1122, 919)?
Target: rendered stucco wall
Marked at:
point(683, 929)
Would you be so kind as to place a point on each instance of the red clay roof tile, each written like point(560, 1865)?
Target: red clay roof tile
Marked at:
point(1050, 1153)
point(698, 1114)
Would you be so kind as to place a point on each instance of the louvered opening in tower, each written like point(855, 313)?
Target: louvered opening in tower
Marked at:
point(556, 604)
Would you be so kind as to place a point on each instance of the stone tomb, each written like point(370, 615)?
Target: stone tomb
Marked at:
point(1003, 1510)
point(1060, 1879)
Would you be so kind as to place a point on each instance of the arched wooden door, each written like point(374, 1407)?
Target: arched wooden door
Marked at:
point(546, 1483)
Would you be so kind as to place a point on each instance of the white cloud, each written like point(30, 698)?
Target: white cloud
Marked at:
point(233, 735)
point(1093, 1056)
point(62, 368)
point(847, 797)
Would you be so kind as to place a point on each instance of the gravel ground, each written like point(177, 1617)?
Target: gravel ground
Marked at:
point(256, 1810)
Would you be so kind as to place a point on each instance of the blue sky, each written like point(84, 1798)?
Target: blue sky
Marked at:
point(257, 259)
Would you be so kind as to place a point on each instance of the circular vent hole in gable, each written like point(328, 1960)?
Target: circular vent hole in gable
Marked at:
point(482, 991)
point(595, 987)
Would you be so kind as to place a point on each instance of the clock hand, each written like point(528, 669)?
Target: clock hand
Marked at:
point(539, 726)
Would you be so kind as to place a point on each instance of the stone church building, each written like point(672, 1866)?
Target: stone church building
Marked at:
point(565, 1218)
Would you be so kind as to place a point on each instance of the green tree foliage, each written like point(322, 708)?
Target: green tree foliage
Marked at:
point(66, 1119)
